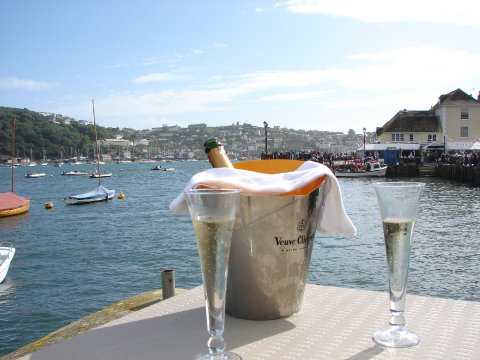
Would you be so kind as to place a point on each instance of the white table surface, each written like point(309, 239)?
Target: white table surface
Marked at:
point(333, 323)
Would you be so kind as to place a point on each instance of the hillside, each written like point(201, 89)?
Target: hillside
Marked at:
point(41, 138)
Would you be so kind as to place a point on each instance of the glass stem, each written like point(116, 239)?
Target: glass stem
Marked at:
point(216, 344)
point(397, 321)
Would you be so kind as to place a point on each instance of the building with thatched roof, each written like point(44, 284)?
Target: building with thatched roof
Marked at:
point(454, 121)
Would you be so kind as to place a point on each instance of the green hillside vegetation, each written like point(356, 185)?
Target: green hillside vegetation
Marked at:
point(37, 136)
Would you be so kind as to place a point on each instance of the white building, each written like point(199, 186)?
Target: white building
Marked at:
point(453, 123)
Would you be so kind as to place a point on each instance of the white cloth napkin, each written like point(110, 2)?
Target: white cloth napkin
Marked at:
point(334, 219)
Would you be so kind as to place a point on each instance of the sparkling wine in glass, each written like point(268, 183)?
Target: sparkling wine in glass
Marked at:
point(213, 217)
point(398, 202)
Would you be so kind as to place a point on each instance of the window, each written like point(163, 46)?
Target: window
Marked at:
point(464, 114)
point(432, 137)
point(411, 137)
point(397, 137)
point(463, 131)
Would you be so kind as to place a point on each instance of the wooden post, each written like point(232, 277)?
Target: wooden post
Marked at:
point(168, 283)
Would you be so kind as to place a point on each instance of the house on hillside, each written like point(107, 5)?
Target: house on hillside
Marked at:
point(453, 123)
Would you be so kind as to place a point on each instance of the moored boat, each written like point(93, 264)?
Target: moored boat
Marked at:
point(7, 251)
point(100, 193)
point(162, 168)
point(371, 169)
point(74, 172)
point(96, 175)
point(12, 204)
point(35, 175)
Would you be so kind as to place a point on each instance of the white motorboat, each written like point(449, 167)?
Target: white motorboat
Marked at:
point(7, 251)
point(162, 168)
point(96, 175)
point(74, 172)
point(35, 175)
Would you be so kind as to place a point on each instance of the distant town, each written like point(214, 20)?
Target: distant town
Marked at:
point(241, 141)
point(449, 127)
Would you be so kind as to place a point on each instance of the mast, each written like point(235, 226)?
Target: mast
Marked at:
point(13, 148)
point(96, 142)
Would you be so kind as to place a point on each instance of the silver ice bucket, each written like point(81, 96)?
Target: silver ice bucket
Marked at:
point(270, 254)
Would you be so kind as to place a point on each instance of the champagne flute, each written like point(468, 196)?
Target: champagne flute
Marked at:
point(213, 217)
point(398, 203)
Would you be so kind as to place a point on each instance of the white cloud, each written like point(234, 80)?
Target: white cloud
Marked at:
point(120, 66)
point(391, 69)
point(154, 77)
point(412, 67)
point(26, 84)
point(381, 81)
point(462, 12)
point(152, 60)
point(197, 52)
point(297, 96)
point(287, 79)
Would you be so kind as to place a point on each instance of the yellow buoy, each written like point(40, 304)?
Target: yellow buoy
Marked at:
point(49, 205)
point(121, 196)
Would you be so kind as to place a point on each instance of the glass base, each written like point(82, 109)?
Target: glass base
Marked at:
point(396, 338)
point(220, 356)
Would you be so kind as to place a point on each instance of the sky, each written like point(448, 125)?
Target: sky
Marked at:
point(331, 65)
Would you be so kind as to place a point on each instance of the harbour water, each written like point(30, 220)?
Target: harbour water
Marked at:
point(74, 260)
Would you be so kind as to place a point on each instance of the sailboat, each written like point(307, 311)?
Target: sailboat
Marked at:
point(100, 193)
point(10, 203)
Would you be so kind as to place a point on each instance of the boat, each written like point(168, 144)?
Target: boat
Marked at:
point(96, 175)
point(73, 173)
point(10, 203)
point(371, 169)
point(158, 167)
point(100, 193)
point(7, 251)
point(35, 175)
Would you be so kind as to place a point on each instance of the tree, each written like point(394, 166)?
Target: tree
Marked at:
point(35, 134)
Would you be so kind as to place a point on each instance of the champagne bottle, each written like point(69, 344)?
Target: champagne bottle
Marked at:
point(216, 154)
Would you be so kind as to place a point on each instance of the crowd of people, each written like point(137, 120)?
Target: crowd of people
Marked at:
point(470, 158)
point(315, 155)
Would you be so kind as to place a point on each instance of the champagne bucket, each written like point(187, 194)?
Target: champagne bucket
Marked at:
point(270, 254)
